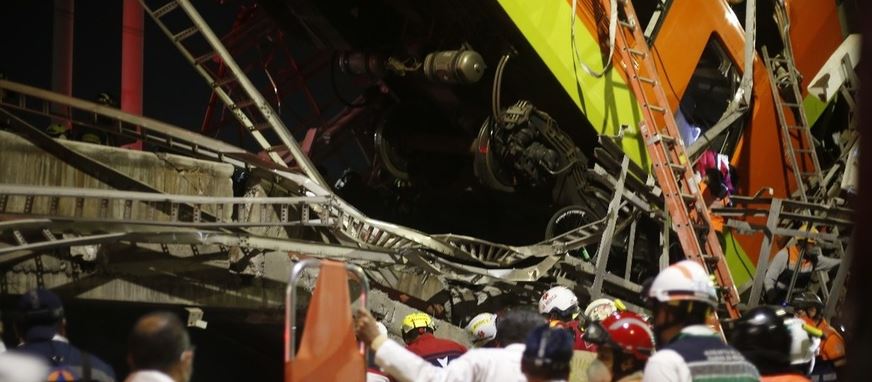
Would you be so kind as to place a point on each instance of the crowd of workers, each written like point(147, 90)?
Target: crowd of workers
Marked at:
point(159, 347)
point(679, 341)
point(608, 342)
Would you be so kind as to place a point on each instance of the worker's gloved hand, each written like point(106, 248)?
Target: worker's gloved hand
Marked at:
point(365, 326)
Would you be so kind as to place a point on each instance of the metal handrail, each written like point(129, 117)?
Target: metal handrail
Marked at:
point(291, 298)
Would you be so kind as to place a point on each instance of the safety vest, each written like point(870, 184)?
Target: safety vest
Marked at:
point(805, 271)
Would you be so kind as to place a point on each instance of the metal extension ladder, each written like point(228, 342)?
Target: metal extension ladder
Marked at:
point(250, 107)
point(683, 199)
point(798, 141)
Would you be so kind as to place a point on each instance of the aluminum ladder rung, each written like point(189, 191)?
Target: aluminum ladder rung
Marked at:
point(688, 197)
point(678, 168)
point(627, 24)
point(166, 8)
point(203, 58)
point(241, 104)
point(710, 259)
point(181, 36)
point(223, 81)
point(656, 108)
point(647, 80)
point(637, 52)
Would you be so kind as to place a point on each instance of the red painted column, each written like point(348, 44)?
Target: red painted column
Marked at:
point(131, 62)
point(62, 56)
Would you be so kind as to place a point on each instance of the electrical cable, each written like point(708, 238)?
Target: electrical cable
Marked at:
point(497, 87)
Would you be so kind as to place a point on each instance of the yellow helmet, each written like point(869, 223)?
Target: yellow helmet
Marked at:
point(812, 230)
point(417, 320)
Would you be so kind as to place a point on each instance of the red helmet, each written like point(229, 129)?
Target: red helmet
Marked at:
point(626, 331)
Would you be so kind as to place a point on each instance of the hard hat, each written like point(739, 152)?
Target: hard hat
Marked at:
point(762, 336)
point(105, 99)
point(600, 309)
point(482, 328)
point(548, 350)
point(804, 346)
point(812, 230)
point(559, 299)
point(806, 300)
point(684, 281)
point(417, 320)
point(625, 331)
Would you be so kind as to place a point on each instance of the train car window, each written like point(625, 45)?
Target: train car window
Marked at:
point(712, 86)
point(651, 13)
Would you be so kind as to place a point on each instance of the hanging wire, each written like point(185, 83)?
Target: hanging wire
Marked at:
point(497, 87)
point(613, 22)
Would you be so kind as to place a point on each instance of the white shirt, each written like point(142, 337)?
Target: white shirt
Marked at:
point(476, 365)
point(18, 367)
point(667, 365)
point(373, 377)
point(148, 376)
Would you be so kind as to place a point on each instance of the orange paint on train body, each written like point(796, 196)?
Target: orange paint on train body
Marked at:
point(683, 35)
point(815, 33)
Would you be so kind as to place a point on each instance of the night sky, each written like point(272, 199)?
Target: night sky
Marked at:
point(173, 92)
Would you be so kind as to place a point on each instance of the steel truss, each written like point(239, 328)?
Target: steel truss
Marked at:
point(783, 215)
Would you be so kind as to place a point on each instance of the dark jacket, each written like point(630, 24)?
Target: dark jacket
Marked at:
point(64, 358)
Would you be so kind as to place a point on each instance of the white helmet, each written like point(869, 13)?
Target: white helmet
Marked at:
point(684, 281)
point(803, 346)
point(600, 309)
point(560, 298)
point(482, 328)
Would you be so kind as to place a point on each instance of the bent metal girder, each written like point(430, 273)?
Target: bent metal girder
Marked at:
point(88, 209)
point(356, 226)
point(349, 226)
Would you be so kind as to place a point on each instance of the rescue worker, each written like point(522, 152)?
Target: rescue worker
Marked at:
point(482, 329)
point(501, 364)
point(624, 343)
point(784, 265)
point(560, 306)
point(41, 328)
point(763, 337)
point(57, 131)
point(831, 361)
point(418, 335)
point(547, 354)
point(159, 350)
point(682, 298)
point(95, 136)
